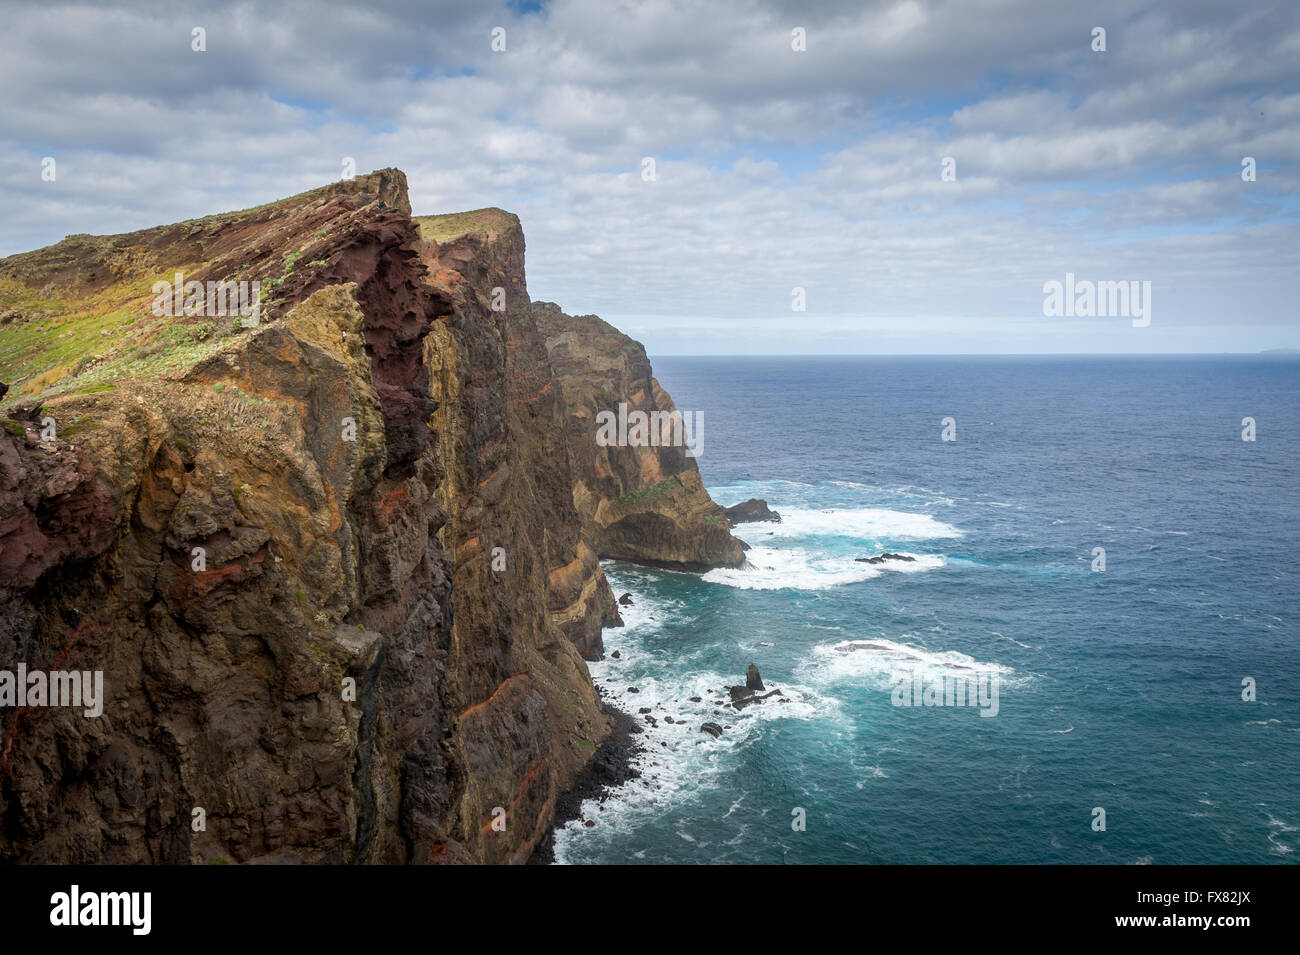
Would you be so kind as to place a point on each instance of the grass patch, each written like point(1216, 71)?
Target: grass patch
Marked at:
point(76, 427)
point(651, 492)
point(444, 227)
point(86, 345)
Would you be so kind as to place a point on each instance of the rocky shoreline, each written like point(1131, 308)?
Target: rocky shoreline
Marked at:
point(610, 768)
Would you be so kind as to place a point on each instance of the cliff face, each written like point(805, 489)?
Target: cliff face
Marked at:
point(280, 544)
point(638, 502)
point(516, 432)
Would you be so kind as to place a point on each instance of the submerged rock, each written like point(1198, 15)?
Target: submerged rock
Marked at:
point(713, 729)
point(882, 558)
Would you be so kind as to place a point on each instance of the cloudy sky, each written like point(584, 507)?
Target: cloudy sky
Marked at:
point(774, 168)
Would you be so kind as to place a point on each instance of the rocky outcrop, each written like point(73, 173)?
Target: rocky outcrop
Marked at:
point(752, 692)
point(882, 558)
point(331, 562)
point(750, 512)
point(642, 503)
point(54, 508)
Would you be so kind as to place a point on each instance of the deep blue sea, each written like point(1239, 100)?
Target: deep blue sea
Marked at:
point(1120, 690)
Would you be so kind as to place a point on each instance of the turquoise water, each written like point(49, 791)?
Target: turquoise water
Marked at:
point(1119, 690)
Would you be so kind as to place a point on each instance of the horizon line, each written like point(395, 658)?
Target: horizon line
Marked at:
point(1266, 353)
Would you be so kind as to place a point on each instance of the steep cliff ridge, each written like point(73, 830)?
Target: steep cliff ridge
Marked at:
point(478, 259)
point(642, 503)
point(329, 562)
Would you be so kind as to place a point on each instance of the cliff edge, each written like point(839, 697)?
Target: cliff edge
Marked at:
point(321, 546)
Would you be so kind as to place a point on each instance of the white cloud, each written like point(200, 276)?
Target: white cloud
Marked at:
point(775, 168)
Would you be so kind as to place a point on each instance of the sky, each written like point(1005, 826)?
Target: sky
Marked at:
point(775, 168)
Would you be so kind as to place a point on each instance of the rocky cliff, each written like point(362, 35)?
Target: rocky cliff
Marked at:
point(639, 501)
point(337, 560)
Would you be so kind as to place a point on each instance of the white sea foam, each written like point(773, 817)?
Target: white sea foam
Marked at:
point(775, 568)
point(879, 660)
point(678, 761)
point(1012, 639)
point(865, 523)
point(1279, 830)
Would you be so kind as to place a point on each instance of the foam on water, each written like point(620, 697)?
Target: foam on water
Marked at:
point(678, 761)
point(862, 523)
point(816, 548)
point(774, 568)
point(878, 660)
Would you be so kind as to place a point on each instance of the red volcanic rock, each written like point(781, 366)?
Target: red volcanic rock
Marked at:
point(54, 508)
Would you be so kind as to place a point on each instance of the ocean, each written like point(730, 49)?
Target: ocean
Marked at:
point(1119, 690)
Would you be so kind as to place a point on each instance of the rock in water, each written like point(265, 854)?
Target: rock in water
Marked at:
point(625, 600)
point(713, 729)
point(751, 512)
point(882, 558)
point(752, 680)
point(741, 697)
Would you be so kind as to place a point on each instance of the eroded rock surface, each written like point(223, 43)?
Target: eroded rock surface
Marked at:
point(645, 504)
point(335, 566)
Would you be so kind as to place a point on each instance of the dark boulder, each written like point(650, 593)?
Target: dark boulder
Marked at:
point(742, 697)
point(752, 680)
point(713, 729)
